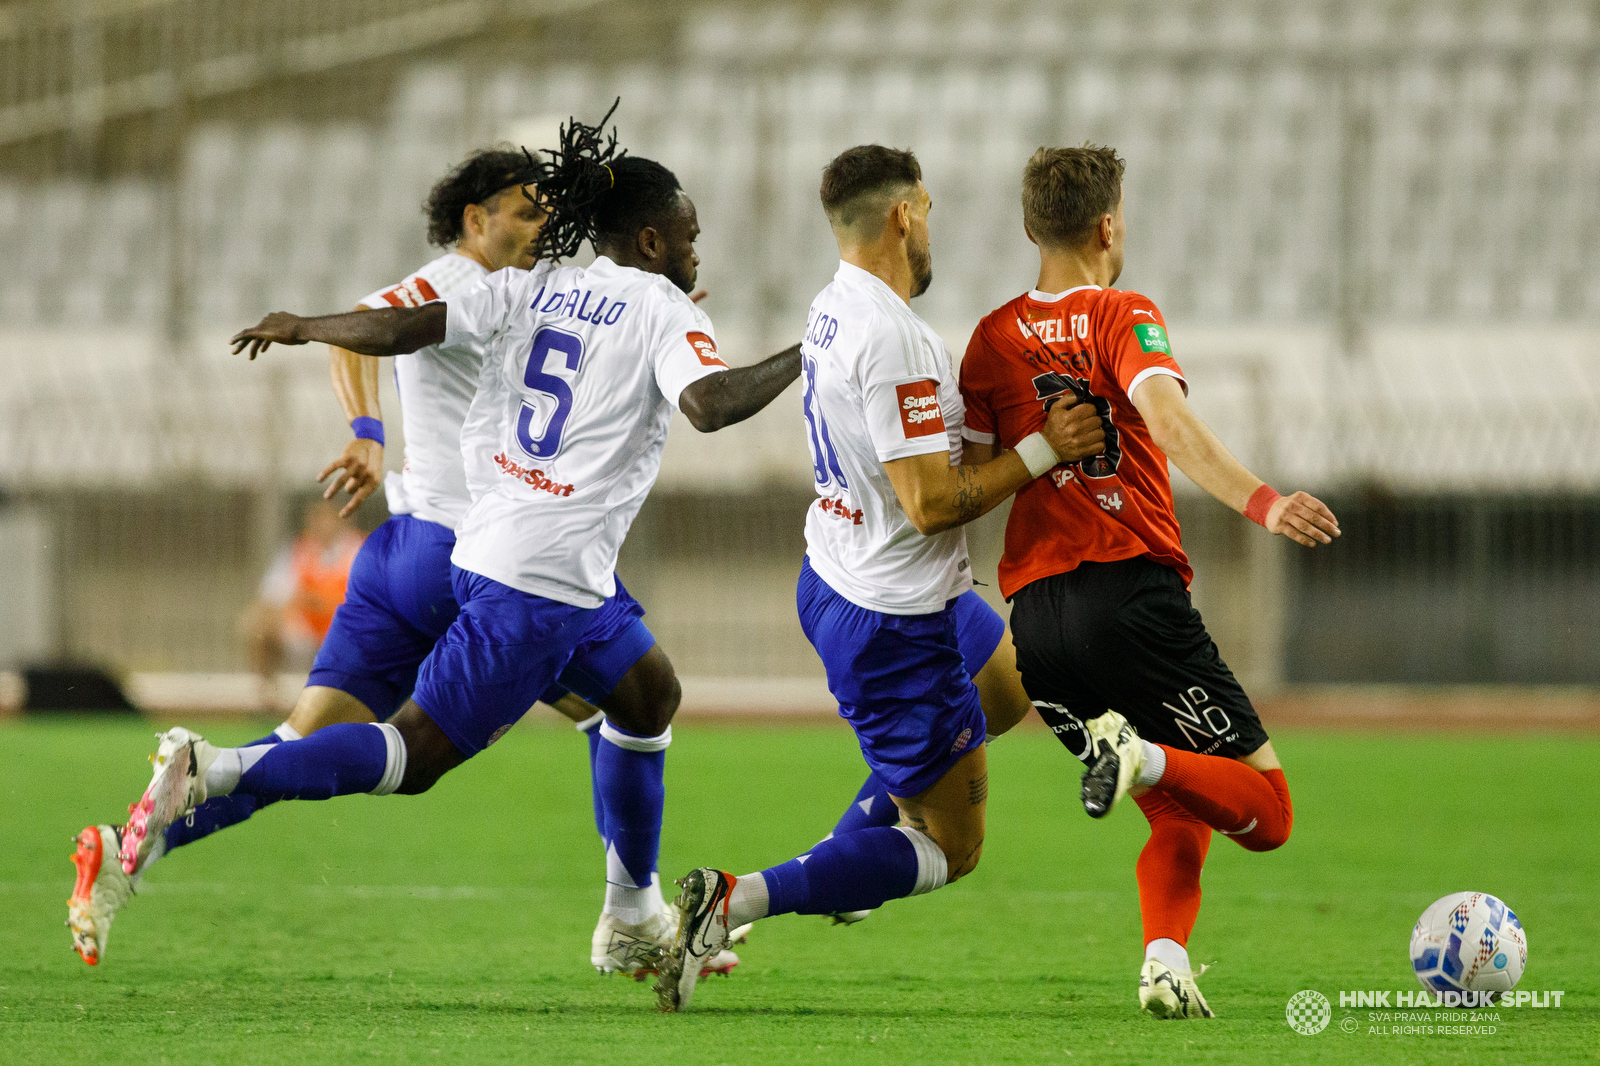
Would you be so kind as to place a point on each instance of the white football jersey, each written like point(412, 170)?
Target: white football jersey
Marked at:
point(879, 386)
point(582, 368)
point(436, 388)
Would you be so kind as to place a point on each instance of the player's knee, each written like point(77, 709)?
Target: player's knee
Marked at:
point(962, 858)
point(429, 753)
point(1266, 838)
point(661, 704)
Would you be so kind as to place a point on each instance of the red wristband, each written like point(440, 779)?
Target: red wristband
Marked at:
point(1261, 501)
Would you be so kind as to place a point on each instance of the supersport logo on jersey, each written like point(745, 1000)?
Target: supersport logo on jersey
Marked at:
point(705, 348)
point(413, 292)
point(920, 414)
point(530, 476)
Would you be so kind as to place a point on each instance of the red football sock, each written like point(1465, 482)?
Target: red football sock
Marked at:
point(1169, 868)
point(1251, 806)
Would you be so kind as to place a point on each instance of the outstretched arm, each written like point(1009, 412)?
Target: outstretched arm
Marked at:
point(719, 400)
point(937, 496)
point(1190, 444)
point(387, 331)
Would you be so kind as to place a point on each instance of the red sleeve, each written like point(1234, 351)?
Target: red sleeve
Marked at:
point(1133, 339)
point(980, 423)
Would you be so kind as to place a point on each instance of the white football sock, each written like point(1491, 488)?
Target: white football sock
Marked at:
point(394, 764)
point(933, 870)
point(1168, 951)
point(627, 901)
point(657, 904)
point(627, 904)
point(748, 901)
point(287, 732)
point(222, 776)
point(1155, 764)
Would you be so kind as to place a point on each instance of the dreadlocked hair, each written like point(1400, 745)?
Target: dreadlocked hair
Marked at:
point(592, 190)
point(475, 181)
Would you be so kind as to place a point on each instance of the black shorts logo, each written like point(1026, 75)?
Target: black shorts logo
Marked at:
point(1199, 720)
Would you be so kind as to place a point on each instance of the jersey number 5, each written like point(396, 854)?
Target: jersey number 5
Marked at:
point(569, 346)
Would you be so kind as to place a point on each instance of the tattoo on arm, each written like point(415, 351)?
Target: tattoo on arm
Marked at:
point(978, 790)
point(969, 494)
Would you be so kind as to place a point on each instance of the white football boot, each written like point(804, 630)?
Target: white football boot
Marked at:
point(702, 932)
point(848, 917)
point(177, 787)
point(1119, 756)
point(1165, 992)
point(633, 950)
point(100, 891)
point(618, 947)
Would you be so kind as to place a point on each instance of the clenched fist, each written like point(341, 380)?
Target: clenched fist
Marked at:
point(1074, 430)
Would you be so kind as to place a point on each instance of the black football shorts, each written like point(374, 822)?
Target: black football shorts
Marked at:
point(1124, 636)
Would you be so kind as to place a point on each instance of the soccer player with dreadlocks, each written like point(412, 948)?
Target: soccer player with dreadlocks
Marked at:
point(580, 369)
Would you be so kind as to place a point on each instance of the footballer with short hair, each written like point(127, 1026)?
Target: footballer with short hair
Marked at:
point(885, 591)
point(1094, 568)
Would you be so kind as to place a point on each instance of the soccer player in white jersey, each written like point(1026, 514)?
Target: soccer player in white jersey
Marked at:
point(562, 442)
point(400, 600)
point(886, 570)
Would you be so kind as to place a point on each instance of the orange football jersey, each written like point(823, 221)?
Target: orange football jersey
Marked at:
point(1097, 344)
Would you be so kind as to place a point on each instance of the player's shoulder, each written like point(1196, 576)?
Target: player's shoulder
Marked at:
point(995, 331)
point(994, 324)
point(655, 293)
point(1127, 304)
point(438, 279)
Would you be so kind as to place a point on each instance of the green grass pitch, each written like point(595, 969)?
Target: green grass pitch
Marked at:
point(454, 926)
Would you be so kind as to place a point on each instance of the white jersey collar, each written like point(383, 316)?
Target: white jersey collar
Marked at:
point(472, 264)
point(854, 275)
point(1053, 297)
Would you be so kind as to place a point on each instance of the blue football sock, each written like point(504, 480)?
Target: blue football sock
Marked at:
point(217, 813)
point(872, 807)
point(855, 872)
point(337, 760)
point(628, 772)
point(593, 735)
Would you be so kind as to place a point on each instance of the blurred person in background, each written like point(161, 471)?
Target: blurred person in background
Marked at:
point(285, 626)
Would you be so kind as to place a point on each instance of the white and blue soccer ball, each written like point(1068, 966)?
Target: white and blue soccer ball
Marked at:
point(1469, 942)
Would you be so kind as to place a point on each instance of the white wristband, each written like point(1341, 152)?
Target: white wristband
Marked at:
point(1036, 454)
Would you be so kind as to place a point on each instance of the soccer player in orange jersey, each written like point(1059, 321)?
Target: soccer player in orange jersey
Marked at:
point(1095, 570)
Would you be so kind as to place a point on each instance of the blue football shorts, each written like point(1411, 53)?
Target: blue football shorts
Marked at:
point(903, 682)
point(503, 651)
point(400, 600)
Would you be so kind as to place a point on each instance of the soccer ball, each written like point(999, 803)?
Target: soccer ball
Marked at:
point(1468, 942)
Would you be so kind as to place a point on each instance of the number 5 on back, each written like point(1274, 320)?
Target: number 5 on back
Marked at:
point(548, 341)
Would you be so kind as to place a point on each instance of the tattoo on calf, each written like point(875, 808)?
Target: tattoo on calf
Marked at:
point(978, 790)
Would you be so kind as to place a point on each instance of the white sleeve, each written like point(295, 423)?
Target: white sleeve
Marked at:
point(685, 349)
point(472, 318)
point(899, 375)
